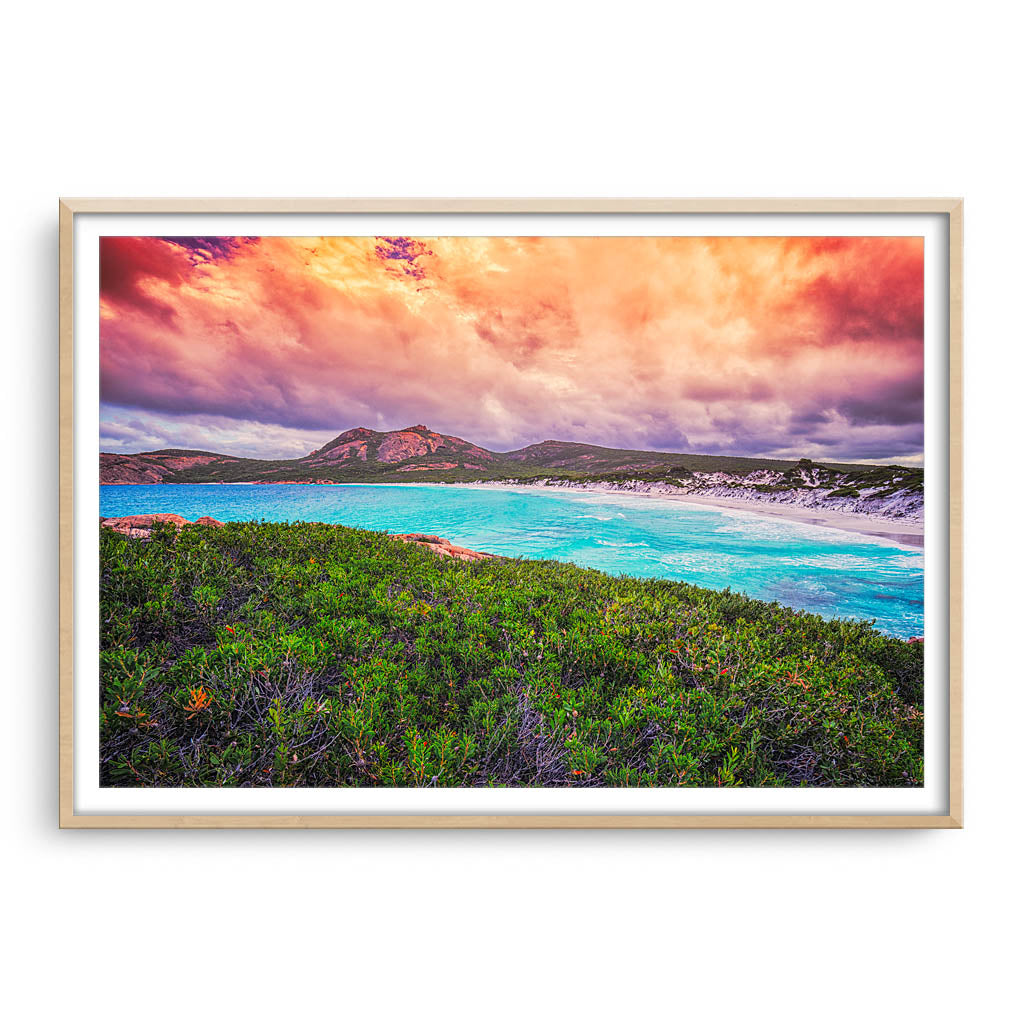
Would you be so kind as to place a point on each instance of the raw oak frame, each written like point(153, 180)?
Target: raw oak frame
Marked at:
point(952, 208)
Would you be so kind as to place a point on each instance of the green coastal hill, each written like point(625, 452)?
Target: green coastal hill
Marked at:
point(417, 453)
point(294, 655)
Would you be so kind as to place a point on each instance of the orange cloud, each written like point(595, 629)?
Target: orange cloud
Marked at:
point(746, 345)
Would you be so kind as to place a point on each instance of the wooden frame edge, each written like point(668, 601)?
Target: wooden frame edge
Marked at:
point(68, 207)
point(66, 485)
point(513, 821)
point(507, 205)
point(956, 500)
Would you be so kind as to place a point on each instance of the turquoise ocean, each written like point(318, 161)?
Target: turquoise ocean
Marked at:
point(815, 568)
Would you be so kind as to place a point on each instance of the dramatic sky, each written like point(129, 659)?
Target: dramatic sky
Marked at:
point(756, 346)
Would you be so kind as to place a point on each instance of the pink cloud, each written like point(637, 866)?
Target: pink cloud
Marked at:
point(746, 345)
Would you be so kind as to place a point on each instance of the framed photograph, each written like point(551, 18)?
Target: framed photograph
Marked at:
point(510, 513)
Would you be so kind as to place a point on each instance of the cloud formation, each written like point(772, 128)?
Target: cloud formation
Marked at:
point(767, 346)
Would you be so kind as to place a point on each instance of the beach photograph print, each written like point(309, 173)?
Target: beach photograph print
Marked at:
point(470, 512)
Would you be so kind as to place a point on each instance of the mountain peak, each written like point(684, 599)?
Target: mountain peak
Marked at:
point(418, 446)
point(355, 434)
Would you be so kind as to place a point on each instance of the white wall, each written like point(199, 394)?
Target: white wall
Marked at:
point(515, 99)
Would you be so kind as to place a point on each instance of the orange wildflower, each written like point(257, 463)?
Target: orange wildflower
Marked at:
point(199, 701)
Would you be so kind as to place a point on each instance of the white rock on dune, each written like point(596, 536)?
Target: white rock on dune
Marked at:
point(904, 507)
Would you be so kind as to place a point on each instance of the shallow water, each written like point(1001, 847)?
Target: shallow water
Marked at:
point(826, 571)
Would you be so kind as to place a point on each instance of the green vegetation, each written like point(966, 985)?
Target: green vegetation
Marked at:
point(314, 655)
point(892, 479)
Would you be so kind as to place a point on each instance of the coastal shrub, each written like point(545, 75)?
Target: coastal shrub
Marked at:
point(263, 654)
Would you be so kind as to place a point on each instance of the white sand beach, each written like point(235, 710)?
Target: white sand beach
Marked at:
point(909, 533)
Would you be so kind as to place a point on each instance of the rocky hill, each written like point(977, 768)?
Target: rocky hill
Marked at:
point(157, 467)
point(413, 448)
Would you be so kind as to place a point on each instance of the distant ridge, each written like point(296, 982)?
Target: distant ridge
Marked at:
point(363, 455)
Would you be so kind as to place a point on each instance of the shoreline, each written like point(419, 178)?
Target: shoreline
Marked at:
point(902, 534)
point(909, 535)
point(906, 534)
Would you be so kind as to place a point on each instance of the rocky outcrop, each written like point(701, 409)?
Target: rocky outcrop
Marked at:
point(443, 548)
point(350, 445)
point(346, 445)
point(400, 445)
point(427, 468)
point(153, 467)
point(141, 526)
point(129, 469)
